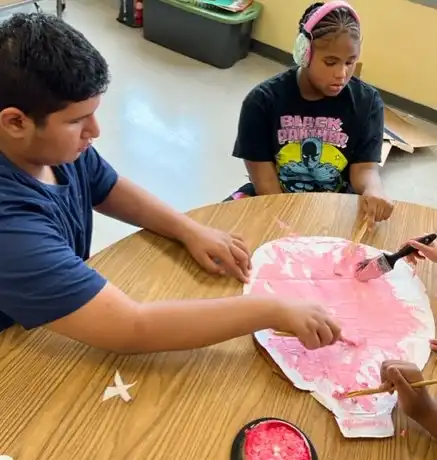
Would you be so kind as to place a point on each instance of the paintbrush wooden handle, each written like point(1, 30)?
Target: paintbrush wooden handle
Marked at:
point(340, 339)
point(283, 334)
point(360, 232)
point(375, 391)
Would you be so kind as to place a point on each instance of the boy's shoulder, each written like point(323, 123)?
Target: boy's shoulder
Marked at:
point(24, 198)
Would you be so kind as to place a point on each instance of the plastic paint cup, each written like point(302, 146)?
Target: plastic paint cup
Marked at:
point(271, 438)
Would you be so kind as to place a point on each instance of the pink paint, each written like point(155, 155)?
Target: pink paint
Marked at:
point(368, 312)
point(282, 224)
point(404, 433)
point(239, 196)
point(275, 440)
point(351, 256)
point(363, 423)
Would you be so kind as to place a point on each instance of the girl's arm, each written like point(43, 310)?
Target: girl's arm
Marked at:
point(264, 177)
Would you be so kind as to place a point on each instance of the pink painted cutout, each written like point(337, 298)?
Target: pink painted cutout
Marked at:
point(369, 313)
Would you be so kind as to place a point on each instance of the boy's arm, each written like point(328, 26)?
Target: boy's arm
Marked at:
point(117, 197)
point(254, 143)
point(114, 322)
point(123, 200)
point(44, 283)
point(133, 205)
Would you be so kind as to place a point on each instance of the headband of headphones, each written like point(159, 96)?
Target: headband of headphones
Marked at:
point(324, 10)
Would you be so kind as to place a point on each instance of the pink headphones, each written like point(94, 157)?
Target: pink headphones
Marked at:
point(302, 46)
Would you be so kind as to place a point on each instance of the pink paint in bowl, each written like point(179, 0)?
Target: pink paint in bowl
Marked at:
point(272, 439)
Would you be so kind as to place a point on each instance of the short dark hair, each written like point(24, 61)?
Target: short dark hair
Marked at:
point(337, 21)
point(45, 65)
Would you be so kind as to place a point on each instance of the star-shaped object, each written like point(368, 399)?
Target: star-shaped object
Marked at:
point(120, 389)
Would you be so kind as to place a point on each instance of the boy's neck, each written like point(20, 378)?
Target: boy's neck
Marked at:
point(42, 173)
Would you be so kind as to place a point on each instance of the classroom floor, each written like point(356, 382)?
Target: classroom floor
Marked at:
point(169, 122)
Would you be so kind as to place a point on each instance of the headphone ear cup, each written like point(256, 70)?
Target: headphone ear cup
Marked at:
point(302, 51)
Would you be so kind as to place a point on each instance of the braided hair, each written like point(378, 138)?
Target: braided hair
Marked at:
point(336, 22)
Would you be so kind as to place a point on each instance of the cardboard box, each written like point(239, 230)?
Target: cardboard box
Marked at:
point(401, 133)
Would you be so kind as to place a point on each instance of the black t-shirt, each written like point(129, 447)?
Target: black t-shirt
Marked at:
point(312, 143)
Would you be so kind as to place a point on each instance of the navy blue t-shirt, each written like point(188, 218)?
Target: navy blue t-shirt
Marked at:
point(311, 143)
point(45, 237)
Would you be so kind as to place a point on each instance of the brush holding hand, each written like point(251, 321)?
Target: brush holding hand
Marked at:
point(416, 403)
point(424, 251)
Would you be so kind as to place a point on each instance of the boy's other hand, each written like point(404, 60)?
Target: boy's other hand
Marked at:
point(219, 252)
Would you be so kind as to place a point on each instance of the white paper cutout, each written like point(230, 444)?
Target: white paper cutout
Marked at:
point(120, 389)
point(416, 345)
point(5, 457)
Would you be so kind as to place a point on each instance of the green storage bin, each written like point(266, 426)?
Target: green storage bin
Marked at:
point(216, 37)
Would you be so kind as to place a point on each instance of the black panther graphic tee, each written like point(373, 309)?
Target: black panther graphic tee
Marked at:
point(312, 143)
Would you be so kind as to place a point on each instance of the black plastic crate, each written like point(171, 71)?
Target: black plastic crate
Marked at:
point(215, 37)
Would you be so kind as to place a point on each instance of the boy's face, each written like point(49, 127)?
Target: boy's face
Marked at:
point(333, 63)
point(61, 139)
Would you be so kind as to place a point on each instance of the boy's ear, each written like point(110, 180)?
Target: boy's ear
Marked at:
point(15, 123)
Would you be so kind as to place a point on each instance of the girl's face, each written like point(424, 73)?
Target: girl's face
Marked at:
point(333, 63)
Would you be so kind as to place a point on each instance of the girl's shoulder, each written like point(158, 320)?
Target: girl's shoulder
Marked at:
point(362, 93)
point(275, 87)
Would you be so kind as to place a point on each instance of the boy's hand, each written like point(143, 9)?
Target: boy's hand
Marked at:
point(425, 251)
point(219, 252)
point(416, 403)
point(309, 322)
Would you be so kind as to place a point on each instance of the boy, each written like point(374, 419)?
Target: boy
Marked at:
point(51, 179)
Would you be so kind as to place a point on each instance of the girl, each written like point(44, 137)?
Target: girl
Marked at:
point(315, 127)
point(398, 375)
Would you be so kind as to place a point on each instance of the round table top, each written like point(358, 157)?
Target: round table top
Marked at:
point(187, 405)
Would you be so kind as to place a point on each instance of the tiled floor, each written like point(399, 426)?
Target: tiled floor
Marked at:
point(169, 122)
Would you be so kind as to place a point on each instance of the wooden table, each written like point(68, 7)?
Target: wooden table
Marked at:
point(187, 405)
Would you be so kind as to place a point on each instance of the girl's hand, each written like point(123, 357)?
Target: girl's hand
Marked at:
point(425, 251)
point(416, 403)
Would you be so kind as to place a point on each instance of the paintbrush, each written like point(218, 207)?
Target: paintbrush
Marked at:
point(361, 231)
point(379, 390)
point(341, 338)
point(374, 268)
point(356, 239)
